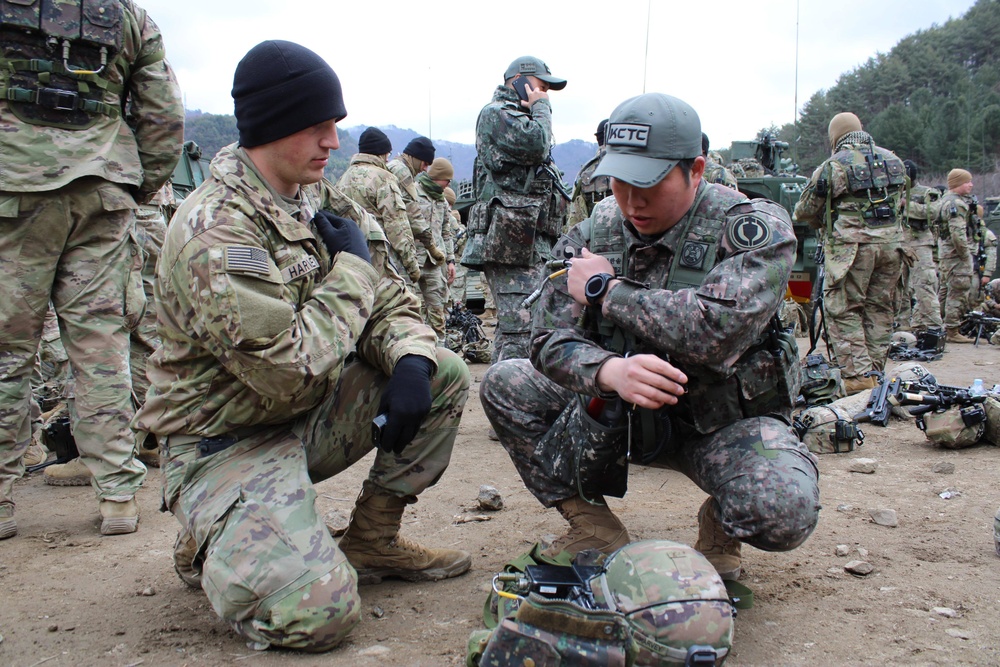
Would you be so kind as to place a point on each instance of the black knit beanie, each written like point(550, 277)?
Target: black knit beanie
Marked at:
point(281, 88)
point(420, 148)
point(374, 142)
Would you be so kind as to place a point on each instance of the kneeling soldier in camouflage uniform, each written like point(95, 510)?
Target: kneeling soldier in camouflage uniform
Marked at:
point(284, 333)
point(666, 315)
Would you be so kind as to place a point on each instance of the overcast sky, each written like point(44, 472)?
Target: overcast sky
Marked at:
point(430, 66)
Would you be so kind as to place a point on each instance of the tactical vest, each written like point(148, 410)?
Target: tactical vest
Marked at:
point(947, 209)
point(56, 59)
point(765, 379)
point(593, 188)
point(875, 182)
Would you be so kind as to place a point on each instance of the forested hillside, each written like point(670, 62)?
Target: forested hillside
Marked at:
point(933, 98)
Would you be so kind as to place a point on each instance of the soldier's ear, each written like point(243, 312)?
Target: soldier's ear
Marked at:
point(698, 169)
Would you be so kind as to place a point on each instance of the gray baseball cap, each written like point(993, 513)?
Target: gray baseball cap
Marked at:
point(646, 136)
point(531, 65)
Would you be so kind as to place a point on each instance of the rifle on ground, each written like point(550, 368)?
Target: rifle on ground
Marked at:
point(882, 399)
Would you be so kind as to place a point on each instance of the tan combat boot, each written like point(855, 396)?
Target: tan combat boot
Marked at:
point(858, 384)
point(36, 454)
point(119, 518)
point(591, 526)
point(149, 456)
point(375, 548)
point(956, 336)
point(8, 527)
point(74, 473)
point(489, 316)
point(721, 550)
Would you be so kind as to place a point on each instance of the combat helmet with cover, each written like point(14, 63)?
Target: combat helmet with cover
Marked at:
point(57, 64)
point(673, 602)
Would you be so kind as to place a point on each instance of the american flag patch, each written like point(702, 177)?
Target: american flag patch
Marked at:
point(247, 259)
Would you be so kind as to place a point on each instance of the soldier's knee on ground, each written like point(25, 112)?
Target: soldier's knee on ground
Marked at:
point(314, 618)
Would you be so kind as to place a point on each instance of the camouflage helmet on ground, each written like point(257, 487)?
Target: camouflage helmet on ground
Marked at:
point(672, 599)
point(903, 338)
point(828, 429)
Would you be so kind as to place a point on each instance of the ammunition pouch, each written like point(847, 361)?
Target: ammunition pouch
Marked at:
point(879, 214)
point(521, 228)
point(476, 227)
point(917, 224)
point(827, 429)
point(555, 633)
point(582, 453)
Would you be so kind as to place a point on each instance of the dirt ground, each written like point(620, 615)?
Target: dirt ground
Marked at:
point(71, 597)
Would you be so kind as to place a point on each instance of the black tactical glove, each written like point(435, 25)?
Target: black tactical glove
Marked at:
point(341, 235)
point(406, 401)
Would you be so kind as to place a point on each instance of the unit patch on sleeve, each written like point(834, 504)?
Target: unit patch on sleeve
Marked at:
point(748, 232)
point(300, 268)
point(247, 259)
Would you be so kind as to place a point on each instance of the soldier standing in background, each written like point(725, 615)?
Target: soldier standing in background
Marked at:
point(281, 341)
point(73, 173)
point(369, 182)
point(957, 228)
point(415, 159)
point(456, 290)
point(521, 201)
point(589, 189)
point(858, 213)
point(715, 172)
point(920, 281)
point(436, 275)
point(670, 268)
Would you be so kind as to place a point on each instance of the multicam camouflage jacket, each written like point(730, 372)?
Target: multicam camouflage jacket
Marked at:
point(141, 152)
point(400, 168)
point(921, 222)
point(845, 174)
point(957, 224)
point(437, 212)
point(735, 256)
point(368, 182)
point(256, 318)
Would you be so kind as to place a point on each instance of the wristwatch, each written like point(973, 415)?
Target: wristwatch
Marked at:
point(596, 286)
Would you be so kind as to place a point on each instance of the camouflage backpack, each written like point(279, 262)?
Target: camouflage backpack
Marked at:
point(821, 383)
point(957, 427)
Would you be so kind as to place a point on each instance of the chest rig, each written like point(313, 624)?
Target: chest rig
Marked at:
point(876, 180)
point(765, 379)
point(57, 60)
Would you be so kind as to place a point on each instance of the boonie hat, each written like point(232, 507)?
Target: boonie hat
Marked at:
point(526, 65)
point(646, 136)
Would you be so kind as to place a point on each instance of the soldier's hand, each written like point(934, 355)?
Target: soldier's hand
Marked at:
point(644, 380)
point(406, 400)
point(414, 273)
point(534, 94)
point(581, 268)
point(435, 253)
point(341, 235)
point(451, 272)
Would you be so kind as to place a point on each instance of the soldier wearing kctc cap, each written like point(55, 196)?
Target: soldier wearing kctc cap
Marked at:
point(284, 334)
point(521, 202)
point(662, 344)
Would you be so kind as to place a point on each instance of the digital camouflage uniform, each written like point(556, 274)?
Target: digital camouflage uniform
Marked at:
point(269, 340)
point(433, 279)
point(920, 281)
point(519, 213)
point(956, 224)
point(68, 189)
point(863, 252)
point(731, 431)
point(368, 182)
point(587, 191)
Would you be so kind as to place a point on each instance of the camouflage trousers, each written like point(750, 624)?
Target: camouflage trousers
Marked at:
point(456, 291)
point(956, 284)
point(921, 283)
point(434, 289)
point(151, 231)
point(510, 286)
point(268, 564)
point(764, 479)
point(861, 279)
point(74, 246)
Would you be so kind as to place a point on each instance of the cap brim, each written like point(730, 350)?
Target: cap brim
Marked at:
point(637, 170)
point(554, 83)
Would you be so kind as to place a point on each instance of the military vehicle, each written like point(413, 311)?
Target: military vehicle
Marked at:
point(762, 171)
point(991, 215)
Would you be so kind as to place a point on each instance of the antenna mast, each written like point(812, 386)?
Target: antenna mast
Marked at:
point(645, 60)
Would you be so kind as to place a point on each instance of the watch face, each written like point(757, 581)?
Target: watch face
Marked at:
point(596, 286)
